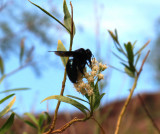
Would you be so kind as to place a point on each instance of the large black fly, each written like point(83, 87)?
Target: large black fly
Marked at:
point(75, 65)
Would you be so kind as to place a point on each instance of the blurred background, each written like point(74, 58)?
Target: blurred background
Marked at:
point(21, 23)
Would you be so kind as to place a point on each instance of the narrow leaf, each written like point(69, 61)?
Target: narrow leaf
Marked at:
point(118, 57)
point(41, 119)
point(21, 50)
point(129, 72)
point(140, 50)
point(134, 44)
point(8, 107)
point(67, 18)
point(98, 100)
point(71, 96)
point(61, 47)
point(32, 117)
point(137, 59)
point(69, 101)
point(50, 15)
point(6, 98)
point(16, 89)
point(1, 65)
point(30, 124)
point(2, 78)
point(7, 124)
point(129, 50)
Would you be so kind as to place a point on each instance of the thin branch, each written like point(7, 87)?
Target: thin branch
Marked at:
point(64, 80)
point(67, 125)
point(125, 105)
point(130, 96)
point(144, 60)
point(148, 114)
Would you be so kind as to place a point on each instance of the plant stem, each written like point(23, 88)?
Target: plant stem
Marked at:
point(130, 95)
point(125, 105)
point(64, 79)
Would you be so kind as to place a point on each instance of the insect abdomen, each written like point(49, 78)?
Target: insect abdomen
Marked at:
point(72, 70)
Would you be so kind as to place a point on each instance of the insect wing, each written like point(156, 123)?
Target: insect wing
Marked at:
point(72, 71)
point(64, 53)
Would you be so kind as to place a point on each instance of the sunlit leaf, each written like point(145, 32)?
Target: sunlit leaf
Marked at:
point(16, 89)
point(67, 18)
point(61, 47)
point(1, 65)
point(69, 101)
point(7, 108)
point(32, 117)
point(7, 124)
point(21, 50)
point(50, 15)
point(6, 98)
point(71, 96)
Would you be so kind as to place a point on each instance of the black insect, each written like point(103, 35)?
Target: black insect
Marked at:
point(76, 64)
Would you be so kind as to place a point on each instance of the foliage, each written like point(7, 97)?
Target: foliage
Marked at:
point(88, 85)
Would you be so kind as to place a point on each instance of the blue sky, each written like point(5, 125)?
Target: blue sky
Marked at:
point(134, 20)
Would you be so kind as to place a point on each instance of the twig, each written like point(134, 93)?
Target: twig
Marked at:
point(62, 129)
point(144, 60)
point(64, 80)
point(130, 95)
point(148, 114)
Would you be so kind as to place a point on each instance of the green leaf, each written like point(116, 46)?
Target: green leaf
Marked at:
point(41, 119)
point(98, 101)
point(69, 101)
point(16, 89)
point(7, 108)
point(118, 57)
point(22, 50)
point(130, 55)
point(7, 124)
point(30, 124)
point(95, 95)
point(129, 72)
point(32, 117)
point(50, 15)
point(137, 59)
point(67, 18)
point(134, 44)
point(61, 47)
point(6, 98)
point(1, 66)
point(71, 96)
point(2, 78)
